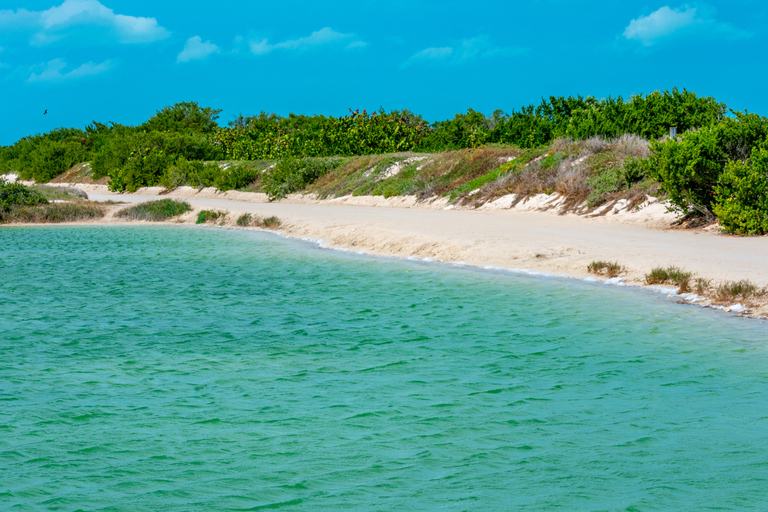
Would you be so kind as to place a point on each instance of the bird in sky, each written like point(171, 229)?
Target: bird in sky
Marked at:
point(46, 111)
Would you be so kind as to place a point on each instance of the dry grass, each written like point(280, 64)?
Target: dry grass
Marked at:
point(54, 213)
point(572, 169)
point(670, 275)
point(606, 268)
point(738, 291)
point(249, 220)
point(423, 175)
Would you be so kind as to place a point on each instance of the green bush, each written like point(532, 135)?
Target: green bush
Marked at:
point(16, 194)
point(689, 167)
point(156, 211)
point(292, 174)
point(210, 215)
point(193, 173)
point(235, 177)
point(741, 195)
point(615, 178)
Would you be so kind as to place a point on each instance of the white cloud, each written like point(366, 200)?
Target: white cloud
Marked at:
point(196, 49)
point(52, 71)
point(660, 23)
point(51, 23)
point(323, 37)
point(479, 47)
point(666, 22)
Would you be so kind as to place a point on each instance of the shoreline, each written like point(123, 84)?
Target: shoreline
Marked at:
point(520, 240)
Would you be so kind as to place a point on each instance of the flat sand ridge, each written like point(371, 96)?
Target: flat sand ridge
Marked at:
point(512, 239)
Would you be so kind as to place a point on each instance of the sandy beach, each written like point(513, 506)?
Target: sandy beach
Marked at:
point(519, 238)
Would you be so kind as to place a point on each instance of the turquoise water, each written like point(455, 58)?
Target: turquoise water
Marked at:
point(176, 369)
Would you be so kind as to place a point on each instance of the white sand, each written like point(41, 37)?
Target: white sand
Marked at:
point(521, 238)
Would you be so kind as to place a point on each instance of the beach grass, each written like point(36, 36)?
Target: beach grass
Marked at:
point(250, 220)
point(54, 213)
point(206, 216)
point(606, 268)
point(155, 211)
point(671, 275)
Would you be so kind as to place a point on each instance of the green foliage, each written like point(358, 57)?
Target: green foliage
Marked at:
point(292, 174)
point(155, 211)
point(689, 167)
point(648, 116)
point(43, 157)
point(206, 216)
point(470, 130)
point(235, 177)
point(182, 118)
point(244, 220)
point(615, 177)
point(143, 159)
point(194, 173)
point(737, 290)
point(16, 194)
point(271, 222)
point(741, 195)
point(269, 136)
point(670, 275)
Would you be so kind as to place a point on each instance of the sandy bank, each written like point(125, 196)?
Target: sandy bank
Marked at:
point(494, 235)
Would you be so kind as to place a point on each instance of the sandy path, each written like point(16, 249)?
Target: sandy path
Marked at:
point(541, 241)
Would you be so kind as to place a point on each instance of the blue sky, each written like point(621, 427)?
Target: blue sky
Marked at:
point(120, 61)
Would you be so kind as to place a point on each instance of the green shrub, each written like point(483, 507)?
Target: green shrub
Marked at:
point(658, 275)
point(16, 194)
point(271, 222)
point(741, 195)
point(195, 173)
point(671, 275)
point(614, 178)
point(206, 216)
point(235, 177)
point(244, 220)
point(156, 211)
point(689, 168)
point(293, 174)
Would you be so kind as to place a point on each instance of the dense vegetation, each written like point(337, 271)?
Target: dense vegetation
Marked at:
point(717, 166)
point(19, 203)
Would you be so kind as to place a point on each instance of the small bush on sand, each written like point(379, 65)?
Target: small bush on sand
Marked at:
point(737, 290)
point(247, 220)
point(271, 222)
point(610, 269)
point(54, 213)
point(244, 220)
point(670, 275)
point(658, 275)
point(702, 285)
point(206, 216)
point(155, 211)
